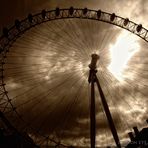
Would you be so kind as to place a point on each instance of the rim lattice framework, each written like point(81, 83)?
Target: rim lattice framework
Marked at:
point(10, 35)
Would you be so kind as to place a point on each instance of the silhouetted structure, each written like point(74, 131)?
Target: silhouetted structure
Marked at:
point(139, 139)
point(93, 79)
point(11, 138)
point(14, 140)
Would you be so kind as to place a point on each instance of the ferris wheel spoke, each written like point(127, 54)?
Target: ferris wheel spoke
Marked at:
point(67, 111)
point(141, 73)
point(84, 39)
point(134, 87)
point(107, 37)
point(21, 76)
point(68, 38)
point(54, 103)
point(70, 107)
point(32, 71)
point(40, 81)
point(109, 79)
point(24, 64)
point(35, 85)
point(122, 125)
point(75, 35)
point(28, 66)
point(123, 99)
point(17, 55)
point(52, 88)
point(144, 69)
point(82, 115)
point(90, 40)
point(114, 95)
point(104, 50)
point(28, 48)
point(141, 62)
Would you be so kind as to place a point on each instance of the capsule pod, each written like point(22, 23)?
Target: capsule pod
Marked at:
point(43, 14)
point(126, 21)
point(57, 12)
point(30, 18)
point(112, 17)
point(99, 14)
point(71, 10)
point(1, 69)
point(5, 32)
point(17, 24)
point(139, 27)
point(85, 10)
point(1, 50)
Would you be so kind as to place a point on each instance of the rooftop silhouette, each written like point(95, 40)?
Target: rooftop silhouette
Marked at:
point(139, 139)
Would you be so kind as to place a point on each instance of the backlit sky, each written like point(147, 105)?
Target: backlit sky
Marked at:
point(47, 69)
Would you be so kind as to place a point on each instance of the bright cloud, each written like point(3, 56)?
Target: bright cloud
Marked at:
point(121, 52)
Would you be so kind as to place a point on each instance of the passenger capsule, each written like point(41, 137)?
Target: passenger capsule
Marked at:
point(43, 14)
point(30, 18)
point(126, 21)
point(1, 50)
point(139, 27)
point(5, 32)
point(85, 10)
point(71, 10)
point(99, 14)
point(112, 17)
point(57, 12)
point(17, 24)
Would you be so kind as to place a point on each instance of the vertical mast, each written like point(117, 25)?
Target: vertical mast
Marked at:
point(93, 79)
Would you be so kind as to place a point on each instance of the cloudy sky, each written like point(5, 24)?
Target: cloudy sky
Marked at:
point(135, 10)
point(46, 71)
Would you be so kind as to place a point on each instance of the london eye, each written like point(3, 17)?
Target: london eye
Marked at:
point(74, 78)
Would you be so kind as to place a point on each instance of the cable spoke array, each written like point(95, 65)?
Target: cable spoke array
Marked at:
point(44, 73)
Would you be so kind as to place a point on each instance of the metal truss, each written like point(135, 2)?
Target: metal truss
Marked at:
point(10, 35)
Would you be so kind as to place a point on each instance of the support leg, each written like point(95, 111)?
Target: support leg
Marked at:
point(92, 114)
point(108, 114)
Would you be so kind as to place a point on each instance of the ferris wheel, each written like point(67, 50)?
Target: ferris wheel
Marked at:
point(74, 77)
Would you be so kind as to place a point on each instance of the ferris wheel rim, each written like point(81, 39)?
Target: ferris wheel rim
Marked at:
point(10, 35)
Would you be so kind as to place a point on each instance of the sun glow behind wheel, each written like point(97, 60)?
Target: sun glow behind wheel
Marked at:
point(121, 52)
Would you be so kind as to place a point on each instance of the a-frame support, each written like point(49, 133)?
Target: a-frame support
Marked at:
point(92, 80)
